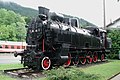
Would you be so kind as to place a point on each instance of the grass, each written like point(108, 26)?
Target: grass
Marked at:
point(5, 77)
point(8, 66)
point(104, 70)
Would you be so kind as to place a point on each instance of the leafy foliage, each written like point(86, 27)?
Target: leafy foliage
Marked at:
point(69, 74)
point(115, 36)
point(11, 26)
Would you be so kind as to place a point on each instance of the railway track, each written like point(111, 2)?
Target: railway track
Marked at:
point(29, 73)
point(23, 73)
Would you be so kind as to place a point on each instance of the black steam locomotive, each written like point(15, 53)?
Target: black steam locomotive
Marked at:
point(55, 40)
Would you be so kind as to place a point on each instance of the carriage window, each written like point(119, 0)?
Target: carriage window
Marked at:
point(23, 47)
point(6, 46)
point(0, 46)
point(12, 47)
point(18, 47)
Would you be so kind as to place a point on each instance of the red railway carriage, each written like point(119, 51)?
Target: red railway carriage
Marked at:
point(10, 46)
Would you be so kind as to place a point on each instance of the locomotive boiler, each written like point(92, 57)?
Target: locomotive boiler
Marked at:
point(54, 40)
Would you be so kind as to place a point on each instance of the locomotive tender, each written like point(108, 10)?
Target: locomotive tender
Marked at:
point(57, 40)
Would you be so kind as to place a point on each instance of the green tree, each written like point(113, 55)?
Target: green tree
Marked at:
point(27, 20)
point(12, 26)
point(115, 36)
point(4, 34)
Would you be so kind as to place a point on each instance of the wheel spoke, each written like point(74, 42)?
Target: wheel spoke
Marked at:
point(76, 61)
point(89, 60)
point(82, 60)
point(68, 62)
point(102, 57)
point(95, 57)
point(89, 57)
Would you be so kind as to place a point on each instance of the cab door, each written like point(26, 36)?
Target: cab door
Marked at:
point(103, 39)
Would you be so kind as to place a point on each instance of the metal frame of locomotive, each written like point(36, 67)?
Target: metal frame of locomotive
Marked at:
point(55, 40)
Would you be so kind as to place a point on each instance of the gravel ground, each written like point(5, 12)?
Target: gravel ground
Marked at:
point(7, 58)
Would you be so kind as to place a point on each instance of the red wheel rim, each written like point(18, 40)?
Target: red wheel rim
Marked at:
point(82, 60)
point(95, 57)
point(75, 62)
point(102, 57)
point(46, 63)
point(89, 58)
point(68, 62)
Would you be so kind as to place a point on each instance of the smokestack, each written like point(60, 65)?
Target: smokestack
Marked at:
point(43, 10)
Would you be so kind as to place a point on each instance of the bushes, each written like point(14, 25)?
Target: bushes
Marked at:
point(69, 74)
point(113, 55)
point(114, 34)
